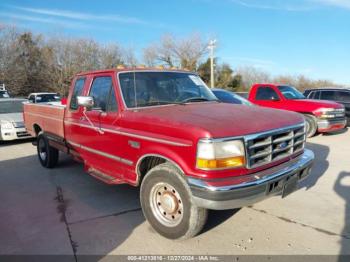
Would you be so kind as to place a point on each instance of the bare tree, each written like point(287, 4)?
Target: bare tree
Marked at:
point(251, 75)
point(110, 56)
point(185, 52)
point(302, 82)
point(31, 62)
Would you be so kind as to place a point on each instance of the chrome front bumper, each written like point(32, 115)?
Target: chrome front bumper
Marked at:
point(330, 125)
point(251, 188)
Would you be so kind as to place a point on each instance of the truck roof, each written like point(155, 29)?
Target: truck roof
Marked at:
point(131, 69)
point(328, 88)
point(271, 84)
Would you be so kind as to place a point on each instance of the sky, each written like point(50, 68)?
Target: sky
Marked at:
point(310, 37)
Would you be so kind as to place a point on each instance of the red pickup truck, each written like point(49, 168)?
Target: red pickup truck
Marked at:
point(320, 116)
point(165, 131)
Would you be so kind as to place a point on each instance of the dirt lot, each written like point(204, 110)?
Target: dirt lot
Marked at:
point(65, 211)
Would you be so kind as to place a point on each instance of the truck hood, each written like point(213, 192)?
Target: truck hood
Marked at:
point(318, 103)
point(12, 117)
point(209, 119)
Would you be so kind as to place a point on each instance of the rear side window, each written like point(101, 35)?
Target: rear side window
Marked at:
point(343, 96)
point(328, 95)
point(78, 88)
point(103, 93)
point(266, 93)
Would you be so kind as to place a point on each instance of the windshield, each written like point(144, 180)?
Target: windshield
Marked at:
point(44, 98)
point(4, 94)
point(142, 89)
point(7, 107)
point(290, 92)
point(229, 97)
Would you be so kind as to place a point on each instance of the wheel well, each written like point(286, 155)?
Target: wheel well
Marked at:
point(148, 162)
point(37, 129)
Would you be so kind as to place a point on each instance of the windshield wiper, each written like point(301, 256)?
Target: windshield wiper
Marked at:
point(196, 99)
point(156, 103)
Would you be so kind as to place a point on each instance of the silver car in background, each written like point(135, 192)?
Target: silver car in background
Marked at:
point(11, 119)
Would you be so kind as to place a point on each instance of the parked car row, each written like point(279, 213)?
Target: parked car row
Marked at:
point(320, 116)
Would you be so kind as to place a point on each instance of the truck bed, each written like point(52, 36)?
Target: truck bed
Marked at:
point(50, 118)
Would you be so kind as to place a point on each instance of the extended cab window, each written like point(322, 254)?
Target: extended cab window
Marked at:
point(266, 93)
point(103, 93)
point(78, 88)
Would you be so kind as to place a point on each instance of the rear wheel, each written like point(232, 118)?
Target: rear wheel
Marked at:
point(310, 125)
point(167, 203)
point(48, 155)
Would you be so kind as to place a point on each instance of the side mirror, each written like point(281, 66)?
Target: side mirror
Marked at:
point(85, 101)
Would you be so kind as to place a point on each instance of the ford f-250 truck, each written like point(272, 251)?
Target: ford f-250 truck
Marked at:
point(166, 132)
point(320, 116)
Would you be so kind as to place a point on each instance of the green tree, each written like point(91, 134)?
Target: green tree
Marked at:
point(204, 71)
point(224, 76)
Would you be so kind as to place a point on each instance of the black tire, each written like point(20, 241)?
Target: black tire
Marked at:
point(48, 155)
point(186, 219)
point(311, 125)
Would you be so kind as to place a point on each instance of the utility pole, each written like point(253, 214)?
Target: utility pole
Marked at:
point(211, 47)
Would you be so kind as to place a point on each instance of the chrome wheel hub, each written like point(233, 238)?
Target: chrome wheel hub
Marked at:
point(166, 204)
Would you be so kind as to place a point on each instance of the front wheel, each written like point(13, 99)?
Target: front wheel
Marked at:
point(167, 203)
point(48, 155)
point(310, 125)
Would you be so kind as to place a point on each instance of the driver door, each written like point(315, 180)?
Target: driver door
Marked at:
point(103, 146)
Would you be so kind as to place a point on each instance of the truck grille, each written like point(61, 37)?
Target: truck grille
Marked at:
point(271, 146)
point(22, 134)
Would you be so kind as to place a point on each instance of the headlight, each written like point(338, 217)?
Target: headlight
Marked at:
point(6, 125)
point(330, 112)
point(220, 155)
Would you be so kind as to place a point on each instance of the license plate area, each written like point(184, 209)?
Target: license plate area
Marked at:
point(290, 186)
point(284, 186)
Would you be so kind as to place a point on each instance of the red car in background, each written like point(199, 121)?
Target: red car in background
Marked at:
point(320, 116)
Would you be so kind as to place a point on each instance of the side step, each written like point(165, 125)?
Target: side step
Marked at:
point(103, 177)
